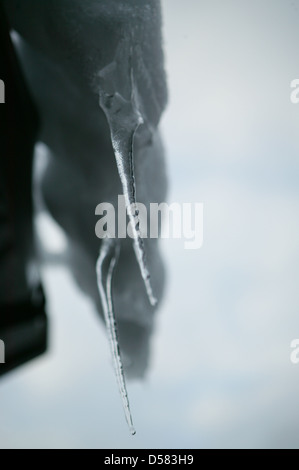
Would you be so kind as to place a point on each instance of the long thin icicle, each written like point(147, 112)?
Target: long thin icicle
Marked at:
point(106, 263)
point(124, 119)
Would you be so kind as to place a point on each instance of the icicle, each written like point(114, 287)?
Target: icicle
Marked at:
point(124, 119)
point(106, 263)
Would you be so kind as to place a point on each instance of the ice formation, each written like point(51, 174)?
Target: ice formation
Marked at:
point(96, 72)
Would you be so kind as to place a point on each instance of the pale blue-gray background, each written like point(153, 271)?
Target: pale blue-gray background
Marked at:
point(221, 373)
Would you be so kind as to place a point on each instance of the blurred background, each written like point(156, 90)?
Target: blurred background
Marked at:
point(221, 374)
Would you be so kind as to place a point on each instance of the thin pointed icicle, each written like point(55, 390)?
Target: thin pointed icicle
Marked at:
point(106, 263)
point(124, 119)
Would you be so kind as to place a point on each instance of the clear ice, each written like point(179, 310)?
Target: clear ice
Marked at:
point(106, 264)
point(124, 118)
